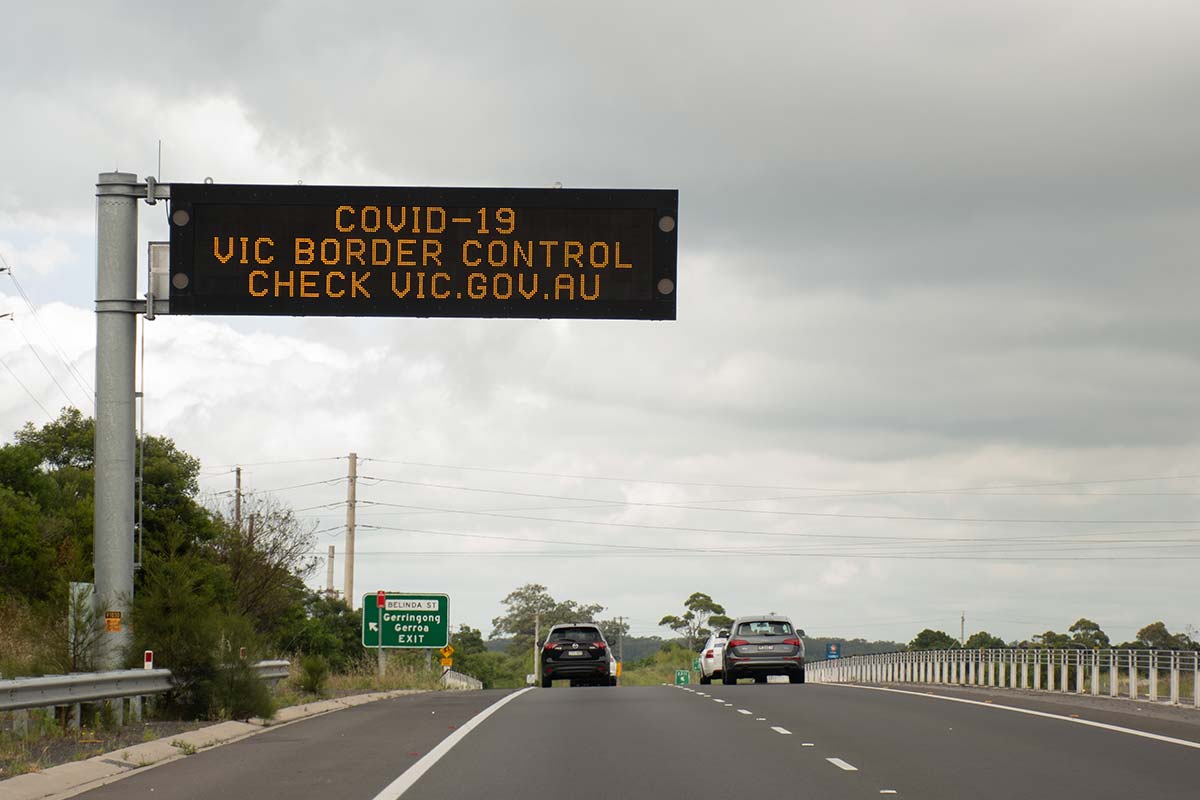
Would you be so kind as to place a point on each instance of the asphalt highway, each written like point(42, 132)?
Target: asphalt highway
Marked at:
point(775, 740)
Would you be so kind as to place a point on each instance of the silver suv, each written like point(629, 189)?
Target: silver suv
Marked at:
point(763, 645)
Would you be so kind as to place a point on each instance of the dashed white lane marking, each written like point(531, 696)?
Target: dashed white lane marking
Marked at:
point(807, 744)
point(717, 700)
point(888, 791)
point(744, 711)
point(784, 731)
point(729, 705)
point(837, 762)
point(760, 719)
point(1158, 737)
point(407, 778)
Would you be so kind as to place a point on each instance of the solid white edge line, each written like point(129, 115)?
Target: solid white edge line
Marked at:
point(837, 762)
point(783, 731)
point(1158, 737)
point(411, 775)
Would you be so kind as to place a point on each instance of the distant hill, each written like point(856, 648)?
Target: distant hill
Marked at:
point(814, 647)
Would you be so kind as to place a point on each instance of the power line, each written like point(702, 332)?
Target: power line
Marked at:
point(776, 512)
point(855, 540)
point(82, 382)
point(273, 463)
point(38, 356)
point(26, 388)
point(284, 488)
point(839, 492)
point(600, 554)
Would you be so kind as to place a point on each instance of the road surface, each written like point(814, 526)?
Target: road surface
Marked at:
point(774, 740)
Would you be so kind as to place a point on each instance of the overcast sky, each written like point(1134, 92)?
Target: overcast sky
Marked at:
point(925, 248)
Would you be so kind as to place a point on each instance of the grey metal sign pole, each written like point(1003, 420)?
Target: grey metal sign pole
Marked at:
point(117, 195)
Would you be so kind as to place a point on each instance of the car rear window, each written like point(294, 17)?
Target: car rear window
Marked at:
point(765, 627)
point(580, 635)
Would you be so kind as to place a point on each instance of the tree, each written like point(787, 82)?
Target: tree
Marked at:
point(533, 601)
point(1155, 636)
point(930, 639)
point(699, 608)
point(1088, 634)
point(1056, 641)
point(267, 558)
point(615, 630)
point(68, 441)
point(25, 562)
point(323, 626)
point(984, 640)
point(184, 614)
point(467, 641)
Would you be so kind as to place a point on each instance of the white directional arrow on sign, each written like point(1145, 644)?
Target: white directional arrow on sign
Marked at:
point(372, 626)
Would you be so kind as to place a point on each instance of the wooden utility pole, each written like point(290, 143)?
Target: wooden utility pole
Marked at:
point(329, 590)
point(237, 501)
point(350, 495)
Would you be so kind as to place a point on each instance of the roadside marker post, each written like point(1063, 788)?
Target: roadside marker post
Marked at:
point(380, 602)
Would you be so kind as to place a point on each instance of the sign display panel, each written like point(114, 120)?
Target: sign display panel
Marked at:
point(423, 251)
point(408, 621)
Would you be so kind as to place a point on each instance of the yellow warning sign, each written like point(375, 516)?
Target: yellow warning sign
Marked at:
point(447, 651)
point(447, 662)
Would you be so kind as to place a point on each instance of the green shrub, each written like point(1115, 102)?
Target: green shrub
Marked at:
point(314, 674)
point(240, 694)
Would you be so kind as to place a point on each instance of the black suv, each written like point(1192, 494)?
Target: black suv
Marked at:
point(577, 652)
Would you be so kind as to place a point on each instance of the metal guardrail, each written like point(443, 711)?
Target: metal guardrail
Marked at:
point(18, 694)
point(272, 671)
point(1166, 676)
point(82, 687)
point(457, 680)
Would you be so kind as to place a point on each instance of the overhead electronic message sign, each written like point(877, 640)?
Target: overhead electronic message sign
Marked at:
point(423, 252)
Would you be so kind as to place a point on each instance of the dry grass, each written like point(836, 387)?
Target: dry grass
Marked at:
point(361, 679)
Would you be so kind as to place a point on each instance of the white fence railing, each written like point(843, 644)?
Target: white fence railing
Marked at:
point(457, 680)
point(1166, 676)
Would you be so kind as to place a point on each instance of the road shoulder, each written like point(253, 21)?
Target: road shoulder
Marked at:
point(67, 780)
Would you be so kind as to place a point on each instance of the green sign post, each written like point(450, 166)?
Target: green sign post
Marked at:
point(416, 621)
point(683, 677)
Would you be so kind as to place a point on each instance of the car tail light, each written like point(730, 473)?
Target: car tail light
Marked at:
point(794, 642)
point(708, 654)
point(550, 646)
point(598, 645)
point(736, 643)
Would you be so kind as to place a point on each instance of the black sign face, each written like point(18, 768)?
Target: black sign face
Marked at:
point(423, 252)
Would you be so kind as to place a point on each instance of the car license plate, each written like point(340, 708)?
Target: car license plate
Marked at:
point(762, 647)
point(575, 652)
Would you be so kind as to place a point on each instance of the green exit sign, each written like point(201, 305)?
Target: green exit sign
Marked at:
point(683, 677)
point(417, 621)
